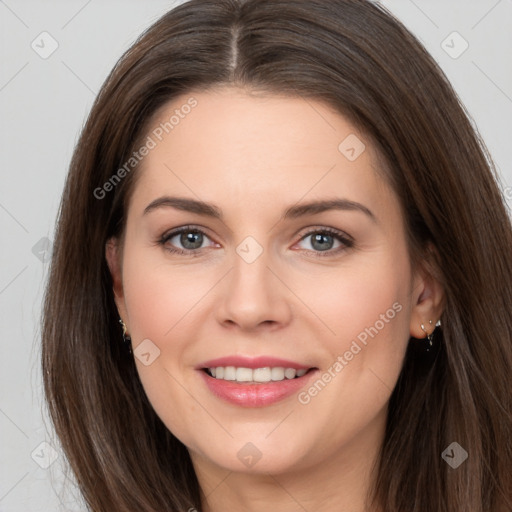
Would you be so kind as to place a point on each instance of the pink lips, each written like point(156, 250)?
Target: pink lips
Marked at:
point(254, 394)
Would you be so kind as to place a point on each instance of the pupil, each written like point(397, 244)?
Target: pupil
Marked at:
point(324, 241)
point(191, 238)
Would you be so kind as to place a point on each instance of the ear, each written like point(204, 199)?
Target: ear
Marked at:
point(113, 255)
point(428, 299)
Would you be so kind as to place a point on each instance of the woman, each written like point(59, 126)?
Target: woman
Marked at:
point(281, 275)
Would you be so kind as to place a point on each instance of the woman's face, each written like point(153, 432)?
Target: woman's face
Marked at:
point(267, 272)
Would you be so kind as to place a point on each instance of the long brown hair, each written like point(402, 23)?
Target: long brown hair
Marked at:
point(355, 56)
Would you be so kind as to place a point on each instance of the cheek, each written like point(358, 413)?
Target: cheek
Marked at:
point(160, 301)
point(368, 308)
point(369, 312)
point(364, 302)
point(163, 302)
point(160, 298)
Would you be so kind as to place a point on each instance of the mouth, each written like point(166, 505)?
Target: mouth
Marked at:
point(263, 375)
point(256, 387)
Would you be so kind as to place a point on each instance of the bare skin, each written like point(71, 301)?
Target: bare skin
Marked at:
point(300, 299)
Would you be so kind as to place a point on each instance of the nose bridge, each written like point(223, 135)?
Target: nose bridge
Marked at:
point(252, 294)
point(250, 272)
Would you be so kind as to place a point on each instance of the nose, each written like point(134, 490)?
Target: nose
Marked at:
point(254, 297)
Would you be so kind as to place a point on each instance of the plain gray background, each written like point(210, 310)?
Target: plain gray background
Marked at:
point(44, 101)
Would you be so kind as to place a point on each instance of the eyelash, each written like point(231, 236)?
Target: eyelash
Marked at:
point(345, 240)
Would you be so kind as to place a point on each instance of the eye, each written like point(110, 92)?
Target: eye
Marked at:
point(323, 241)
point(190, 239)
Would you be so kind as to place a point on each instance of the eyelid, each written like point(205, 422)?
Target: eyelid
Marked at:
point(176, 231)
point(325, 229)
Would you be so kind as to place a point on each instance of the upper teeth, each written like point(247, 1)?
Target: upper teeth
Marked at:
point(257, 375)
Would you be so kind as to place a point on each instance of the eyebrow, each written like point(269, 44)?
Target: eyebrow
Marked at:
point(293, 212)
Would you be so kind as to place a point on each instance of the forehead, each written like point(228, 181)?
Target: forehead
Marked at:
point(230, 143)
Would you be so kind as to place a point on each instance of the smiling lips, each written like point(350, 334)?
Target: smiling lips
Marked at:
point(254, 382)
